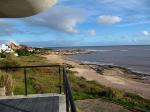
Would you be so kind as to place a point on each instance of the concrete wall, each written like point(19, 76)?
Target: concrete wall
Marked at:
point(33, 103)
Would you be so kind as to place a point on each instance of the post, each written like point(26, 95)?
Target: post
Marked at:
point(25, 81)
point(69, 97)
point(65, 89)
point(60, 79)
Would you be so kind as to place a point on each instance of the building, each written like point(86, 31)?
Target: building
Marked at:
point(14, 45)
point(5, 48)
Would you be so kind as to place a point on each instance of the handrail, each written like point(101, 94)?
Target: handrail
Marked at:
point(25, 73)
point(70, 105)
point(32, 66)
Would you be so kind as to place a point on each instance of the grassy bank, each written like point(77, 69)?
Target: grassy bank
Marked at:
point(84, 89)
point(45, 80)
point(40, 80)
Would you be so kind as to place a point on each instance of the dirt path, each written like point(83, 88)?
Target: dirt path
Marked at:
point(98, 105)
point(110, 78)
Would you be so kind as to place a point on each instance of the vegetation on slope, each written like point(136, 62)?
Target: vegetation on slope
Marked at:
point(84, 89)
point(46, 80)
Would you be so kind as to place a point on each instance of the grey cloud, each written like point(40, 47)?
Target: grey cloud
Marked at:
point(7, 28)
point(64, 19)
point(108, 19)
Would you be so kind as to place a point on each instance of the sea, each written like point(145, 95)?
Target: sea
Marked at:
point(136, 58)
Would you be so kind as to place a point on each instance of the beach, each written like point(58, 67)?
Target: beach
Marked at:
point(109, 76)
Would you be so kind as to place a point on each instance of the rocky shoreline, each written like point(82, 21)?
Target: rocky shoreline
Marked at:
point(115, 66)
point(71, 51)
point(107, 75)
point(100, 67)
point(128, 72)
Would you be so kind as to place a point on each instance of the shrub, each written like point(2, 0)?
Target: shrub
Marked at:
point(9, 61)
point(132, 96)
point(3, 55)
point(106, 92)
point(23, 52)
point(6, 81)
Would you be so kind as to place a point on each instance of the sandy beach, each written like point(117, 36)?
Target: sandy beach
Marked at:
point(110, 77)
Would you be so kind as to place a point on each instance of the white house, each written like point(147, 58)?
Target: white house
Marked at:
point(5, 48)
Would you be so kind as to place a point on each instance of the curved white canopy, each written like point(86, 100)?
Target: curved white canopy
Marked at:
point(23, 8)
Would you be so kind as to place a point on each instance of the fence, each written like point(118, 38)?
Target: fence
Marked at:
point(60, 80)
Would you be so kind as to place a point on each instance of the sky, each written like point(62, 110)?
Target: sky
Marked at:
point(83, 23)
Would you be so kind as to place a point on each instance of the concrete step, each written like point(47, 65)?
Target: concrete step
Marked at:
point(33, 103)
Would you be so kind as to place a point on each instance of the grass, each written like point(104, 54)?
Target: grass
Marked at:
point(83, 89)
point(40, 80)
point(46, 80)
point(6, 81)
point(33, 60)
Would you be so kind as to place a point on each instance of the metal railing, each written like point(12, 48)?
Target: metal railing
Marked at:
point(70, 105)
point(63, 82)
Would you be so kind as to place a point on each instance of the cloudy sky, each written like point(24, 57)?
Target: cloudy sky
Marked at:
point(84, 23)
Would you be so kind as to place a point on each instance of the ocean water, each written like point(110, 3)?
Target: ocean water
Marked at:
point(136, 58)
